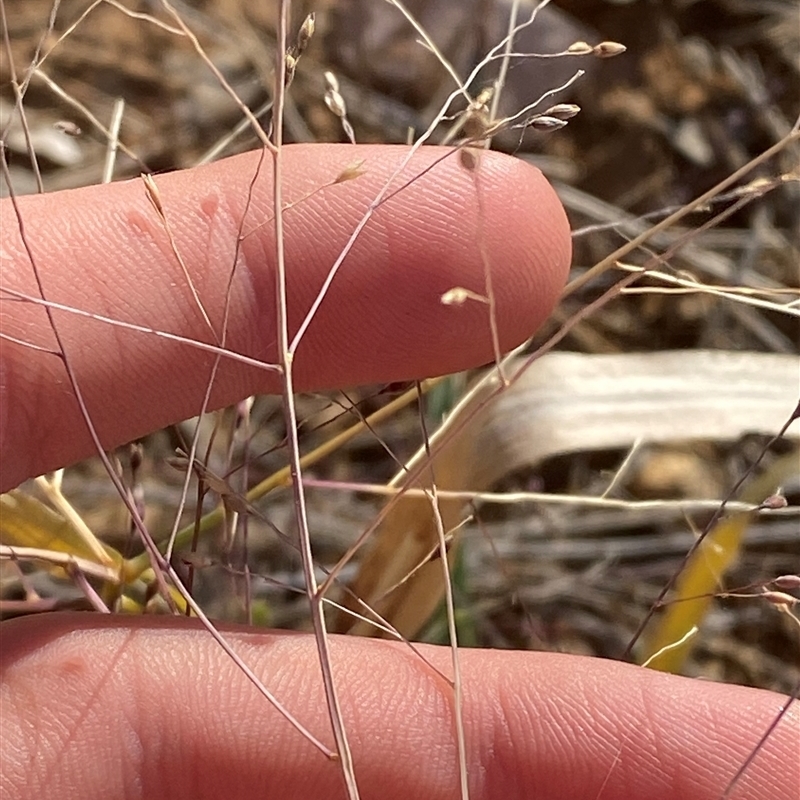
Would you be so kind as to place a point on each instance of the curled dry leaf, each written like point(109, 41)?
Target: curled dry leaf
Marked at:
point(564, 402)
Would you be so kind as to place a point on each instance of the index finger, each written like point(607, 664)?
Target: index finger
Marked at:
point(105, 250)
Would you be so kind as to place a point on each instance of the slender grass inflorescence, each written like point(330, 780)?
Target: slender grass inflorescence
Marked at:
point(472, 115)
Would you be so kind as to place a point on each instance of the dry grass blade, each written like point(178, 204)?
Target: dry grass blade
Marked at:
point(563, 403)
point(26, 522)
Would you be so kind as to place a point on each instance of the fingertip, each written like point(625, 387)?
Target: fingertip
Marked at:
point(433, 224)
point(528, 234)
point(497, 230)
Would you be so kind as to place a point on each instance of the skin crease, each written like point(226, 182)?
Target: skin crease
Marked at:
point(104, 706)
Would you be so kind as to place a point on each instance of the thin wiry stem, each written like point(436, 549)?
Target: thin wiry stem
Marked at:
point(431, 45)
point(219, 146)
point(545, 498)
point(488, 283)
point(154, 198)
point(286, 357)
point(18, 104)
point(500, 83)
point(128, 12)
point(205, 347)
point(113, 140)
point(37, 57)
point(458, 683)
point(258, 130)
point(458, 686)
point(709, 526)
point(80, 107)
point(784, 710)
point(685, 286)
point(609, 261)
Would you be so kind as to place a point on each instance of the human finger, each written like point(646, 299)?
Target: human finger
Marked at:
point(103, 706)
point(105, 250)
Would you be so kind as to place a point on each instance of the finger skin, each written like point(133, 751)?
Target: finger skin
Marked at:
point(102, 706)
point(104, 250)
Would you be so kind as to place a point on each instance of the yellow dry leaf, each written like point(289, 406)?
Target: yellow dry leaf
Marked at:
point(27, 522)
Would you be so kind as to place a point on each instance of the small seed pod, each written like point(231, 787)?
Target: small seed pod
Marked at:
point(786, 582)
point(335, 103)
point(545, 123)
point(608, 49)
point(331, 81)
point(67, 127)
point(774, 502)
point(563, 111)
point(780, 599)
point(454, 297)
point(304, 34)
point(580, 49)
point(291, 65)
